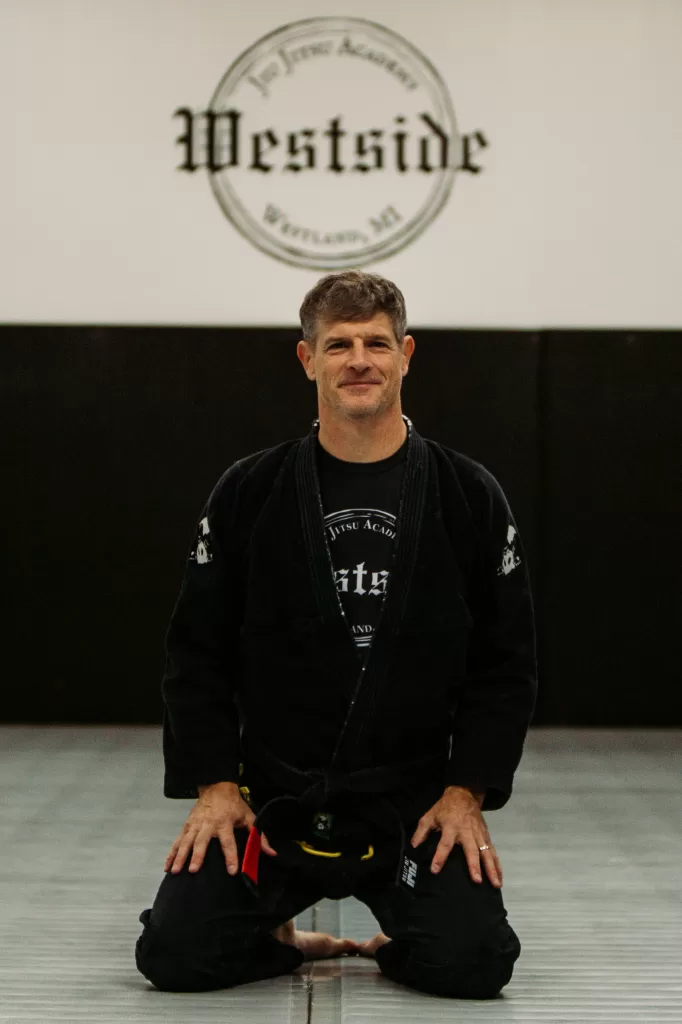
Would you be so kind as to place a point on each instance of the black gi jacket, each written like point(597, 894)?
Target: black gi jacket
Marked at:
point(258, 632)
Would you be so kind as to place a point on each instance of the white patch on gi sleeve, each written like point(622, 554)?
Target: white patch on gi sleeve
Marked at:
point(509, 557)
point(201, 552)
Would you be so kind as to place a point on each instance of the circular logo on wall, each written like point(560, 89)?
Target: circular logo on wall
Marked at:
point(329, 143)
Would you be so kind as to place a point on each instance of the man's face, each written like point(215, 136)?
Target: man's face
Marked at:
point(358, 366)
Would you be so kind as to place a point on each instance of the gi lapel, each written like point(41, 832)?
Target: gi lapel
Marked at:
point(405, 551)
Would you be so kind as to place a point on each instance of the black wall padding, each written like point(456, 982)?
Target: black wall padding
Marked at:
point(612, 533)
point(113, 437)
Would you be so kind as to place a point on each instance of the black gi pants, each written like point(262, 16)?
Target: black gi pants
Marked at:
point(450, 935)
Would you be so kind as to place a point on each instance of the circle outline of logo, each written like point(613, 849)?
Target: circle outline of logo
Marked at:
point(245, 223)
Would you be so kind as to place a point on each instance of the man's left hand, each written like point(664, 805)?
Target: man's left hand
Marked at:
point(457, 815)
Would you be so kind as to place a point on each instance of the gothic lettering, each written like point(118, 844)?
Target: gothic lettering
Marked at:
point(259, 140)
point(341, 577)
point(329, 147)
point(377, 587)
point(379, 583)
point(424, 145)
point(362, 148)
point(296, 148)
point(215, 143)
point(335, 134)
point(359, 572)
point(400, 138)
point(468, 151)
point(186, 139)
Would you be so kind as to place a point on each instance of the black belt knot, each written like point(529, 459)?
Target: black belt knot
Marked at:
point(325, 783)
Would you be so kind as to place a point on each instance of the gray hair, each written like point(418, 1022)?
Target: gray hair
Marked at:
point(352, 295)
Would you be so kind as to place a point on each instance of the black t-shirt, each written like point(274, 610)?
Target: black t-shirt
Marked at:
point(361, 501)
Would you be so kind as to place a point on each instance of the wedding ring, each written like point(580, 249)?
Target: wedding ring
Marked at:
point(486, 847)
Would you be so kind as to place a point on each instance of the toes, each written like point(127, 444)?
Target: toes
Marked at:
point(348, 946)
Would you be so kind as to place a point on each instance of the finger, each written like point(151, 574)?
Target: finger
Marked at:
point(229, 845)
point(200, 845)
point(266, 846)
point(171, 856)
point(185, 845)
point(447, 841)
point(423, 828)
point(473, 858)
point(492, 867)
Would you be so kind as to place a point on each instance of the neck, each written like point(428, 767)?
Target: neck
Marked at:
point(363, 440)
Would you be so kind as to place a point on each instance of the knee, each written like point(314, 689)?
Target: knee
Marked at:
point(168, 964)
point(469, 974)
point(174, 964)
point(166, 968)
point(462, 979)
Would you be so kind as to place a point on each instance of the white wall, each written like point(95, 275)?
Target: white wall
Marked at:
point(575, 220)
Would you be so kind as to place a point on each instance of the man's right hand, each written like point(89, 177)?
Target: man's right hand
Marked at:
point(218, 811)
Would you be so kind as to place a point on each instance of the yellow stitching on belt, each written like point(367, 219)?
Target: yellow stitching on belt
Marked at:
point(318, 853)
point(324, 853)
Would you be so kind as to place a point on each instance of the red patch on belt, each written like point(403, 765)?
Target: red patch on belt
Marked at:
point(251, 855)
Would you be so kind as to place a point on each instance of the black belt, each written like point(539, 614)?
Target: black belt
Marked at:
point(320, 784)
point(316, 787)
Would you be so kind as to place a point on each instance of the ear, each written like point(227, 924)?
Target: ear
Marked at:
point(307, 358)
point(408, 350)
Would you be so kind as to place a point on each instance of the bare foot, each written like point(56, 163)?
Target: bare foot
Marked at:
point(315, 945)
point(370, 947)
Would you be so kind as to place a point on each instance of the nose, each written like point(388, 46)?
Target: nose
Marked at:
point(358, 355)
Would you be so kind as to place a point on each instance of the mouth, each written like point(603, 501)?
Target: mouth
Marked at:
point(364, 384)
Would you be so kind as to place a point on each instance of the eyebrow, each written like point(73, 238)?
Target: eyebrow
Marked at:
point(345, 337)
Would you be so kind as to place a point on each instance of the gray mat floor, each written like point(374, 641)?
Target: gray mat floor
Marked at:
point(591, 846)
